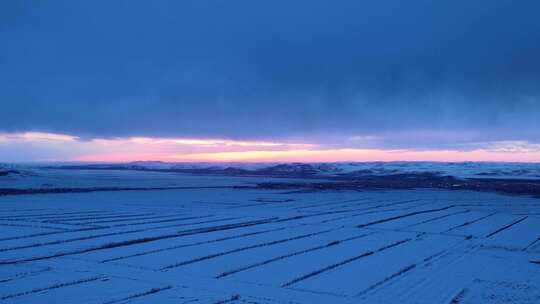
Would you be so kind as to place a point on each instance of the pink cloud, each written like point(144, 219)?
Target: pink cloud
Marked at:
point(325, 156)
point(63, 147)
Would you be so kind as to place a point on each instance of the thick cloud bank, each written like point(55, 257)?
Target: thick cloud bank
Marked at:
point(437, 73)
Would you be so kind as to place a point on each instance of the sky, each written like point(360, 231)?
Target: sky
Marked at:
point(219, 80)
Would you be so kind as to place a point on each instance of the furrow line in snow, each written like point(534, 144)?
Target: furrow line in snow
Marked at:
point(439, 217)
point(471, 222)
point(125, 243)
point(54, 286)
point(138, 295)
point(95, 236)
point(128, 219)
point(327, 268)
point(387, 279)
point(231, 299)
point(319, 204)
point(103, 228)
point(45, 216)
point(458, 297)
point(355, 215)
point(506, 227)
point(219, 254)
point(58, 218)
point(192, 244)
point(33, 226)
point(282, 257)
point(22, 275)
point(531, 244)
point(344, 262)
point(354, 203)
point(162, 221)
point(99, 217)
point(262, 204)
point(20, 210)
point(397, 217)
point(304, 216)
point(370, 208)
point(11, 238)
point(75, 215)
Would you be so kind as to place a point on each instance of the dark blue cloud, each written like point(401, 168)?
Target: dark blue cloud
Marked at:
point(272, 69)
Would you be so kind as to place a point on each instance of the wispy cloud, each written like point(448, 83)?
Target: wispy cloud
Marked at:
point(513, 147)
point(192, 142)
point(30, 146)
point(36, 137)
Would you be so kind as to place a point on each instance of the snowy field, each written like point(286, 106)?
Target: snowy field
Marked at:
point(228, 245)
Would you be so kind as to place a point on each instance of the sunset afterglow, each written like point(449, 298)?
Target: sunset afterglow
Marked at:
point(73, 148)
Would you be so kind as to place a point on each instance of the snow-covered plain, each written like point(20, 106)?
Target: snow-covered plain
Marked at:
point(455, 169)
point(242, 245)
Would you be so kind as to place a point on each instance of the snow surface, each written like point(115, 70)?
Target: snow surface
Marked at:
point(229, 245)
point(456, 169)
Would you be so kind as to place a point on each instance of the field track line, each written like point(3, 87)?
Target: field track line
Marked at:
point(393, 218)
point(344, 262)
point(141, 241)
point(54, 286)
point(471, 222)
point(507, 226)
point(219, 254)
point(192, 244)
point(387, 279)
point(439, 217)
point(138, 295)
point(268, 261)
point(95, 236)
point(22, 275)
point(458, 297)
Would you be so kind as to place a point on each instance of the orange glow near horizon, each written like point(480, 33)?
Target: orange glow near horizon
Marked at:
point(72, 148)
point(339, 155)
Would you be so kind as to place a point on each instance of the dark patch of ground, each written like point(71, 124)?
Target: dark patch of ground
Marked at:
point(313, 180)
point(283, 170)
point(8, 172)
point(16, 191)
point(417, 180)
